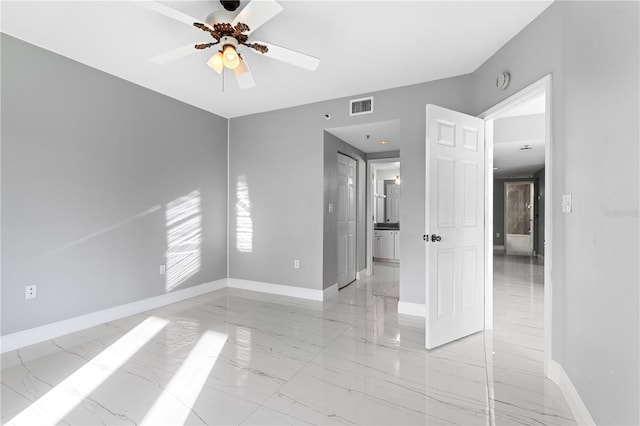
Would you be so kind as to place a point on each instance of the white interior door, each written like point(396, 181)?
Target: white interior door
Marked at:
point(346, 208)
point(393, 203)
point(455, 225)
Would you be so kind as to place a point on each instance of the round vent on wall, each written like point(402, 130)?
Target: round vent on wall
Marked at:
point(503, 80)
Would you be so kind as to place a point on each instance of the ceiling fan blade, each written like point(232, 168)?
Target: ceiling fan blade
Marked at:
point(291, 56)
point(170, 12)
point(173, 54)
point(257, 13)
point(243, 75)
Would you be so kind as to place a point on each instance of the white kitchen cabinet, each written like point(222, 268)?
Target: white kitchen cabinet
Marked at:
point(386, 244)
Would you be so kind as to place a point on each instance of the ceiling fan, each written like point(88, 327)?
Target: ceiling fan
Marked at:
point(230, 32)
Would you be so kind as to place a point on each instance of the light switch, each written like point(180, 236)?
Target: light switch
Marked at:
point(566, 203)
point(330, 208)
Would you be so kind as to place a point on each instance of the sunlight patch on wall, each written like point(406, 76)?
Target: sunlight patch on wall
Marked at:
point(174, 404)
point(53, 406)
point(244, 224)
point(184, 239)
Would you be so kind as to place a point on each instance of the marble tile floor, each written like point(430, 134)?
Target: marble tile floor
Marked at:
point(240, 357)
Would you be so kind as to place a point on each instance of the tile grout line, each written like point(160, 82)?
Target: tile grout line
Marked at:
point(357, 317)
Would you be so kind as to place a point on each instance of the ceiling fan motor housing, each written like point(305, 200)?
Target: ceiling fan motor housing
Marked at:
point(230, 5)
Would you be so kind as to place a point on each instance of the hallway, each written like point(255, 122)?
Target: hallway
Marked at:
point(239, 357)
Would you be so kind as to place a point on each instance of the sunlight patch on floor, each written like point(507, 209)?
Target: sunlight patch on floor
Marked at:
point(53, 406)
point(175, 403)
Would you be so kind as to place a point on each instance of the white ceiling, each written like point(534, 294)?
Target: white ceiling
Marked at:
point(535, 105)
point(356, 136)
point(363, 46)
point(522, 125)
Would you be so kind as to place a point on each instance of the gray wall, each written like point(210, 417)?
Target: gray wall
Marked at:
point(282, 155)
point(592, 50)
point(381, 155)
point(89, 164)
point(333, 146)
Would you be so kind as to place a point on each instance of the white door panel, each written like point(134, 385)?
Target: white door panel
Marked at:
point(346, 209)
point(455, 213)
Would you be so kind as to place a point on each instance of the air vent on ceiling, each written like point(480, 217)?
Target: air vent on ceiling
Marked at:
point(361, 106)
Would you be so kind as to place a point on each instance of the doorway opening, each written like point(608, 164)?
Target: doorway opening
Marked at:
point(519, 214)
point(518, 198)
point(385, 194)
point(365, 143)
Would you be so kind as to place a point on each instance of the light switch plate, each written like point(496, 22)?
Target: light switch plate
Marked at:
point(330, 208)
point(567, 206)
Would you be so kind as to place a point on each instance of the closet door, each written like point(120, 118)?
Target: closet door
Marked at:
point(346, 210)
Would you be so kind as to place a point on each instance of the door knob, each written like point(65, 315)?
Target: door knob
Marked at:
point(435, 238)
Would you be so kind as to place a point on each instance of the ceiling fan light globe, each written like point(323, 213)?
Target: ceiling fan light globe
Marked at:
point(216, 62)
point(233, 65)
point(230, 57)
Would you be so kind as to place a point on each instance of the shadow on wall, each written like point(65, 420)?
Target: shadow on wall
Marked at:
point(106, 229)
point(184, 239)
point(244, 224)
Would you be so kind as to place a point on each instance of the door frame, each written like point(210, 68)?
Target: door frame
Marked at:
point(505, 210)
point(544, 85)
point(371, 189)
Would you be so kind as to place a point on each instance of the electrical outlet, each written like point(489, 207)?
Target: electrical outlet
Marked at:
point(163, 269)
point(296, 263)
point(30, 292)
point(567, 205)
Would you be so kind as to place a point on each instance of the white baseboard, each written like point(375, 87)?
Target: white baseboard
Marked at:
point(330, 291)
point(561, 378)
point(410, 308)
point(34, 335)
point(362, 273)
point(283, 290)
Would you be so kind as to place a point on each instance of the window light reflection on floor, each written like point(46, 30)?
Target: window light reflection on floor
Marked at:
point(53, 406)
point(174, 405)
